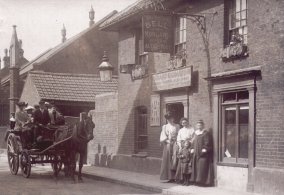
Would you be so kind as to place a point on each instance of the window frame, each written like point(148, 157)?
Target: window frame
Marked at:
point(140, 55)
point(180, 30)
point(236, 161)
point(141, 110)
point(230, 11)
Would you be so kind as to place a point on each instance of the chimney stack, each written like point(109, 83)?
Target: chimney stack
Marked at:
point(6, 59)
point(91, 16)
point(14, 71)
point(21, 53)
point(63, 33)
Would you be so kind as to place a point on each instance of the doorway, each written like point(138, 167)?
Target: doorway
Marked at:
point(177, 109)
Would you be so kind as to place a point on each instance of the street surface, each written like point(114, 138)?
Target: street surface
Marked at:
point(42, 182)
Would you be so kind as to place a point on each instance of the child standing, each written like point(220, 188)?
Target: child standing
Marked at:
point(185, 158)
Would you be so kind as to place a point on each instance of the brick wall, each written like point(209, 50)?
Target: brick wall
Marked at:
point(266, 49)
point(105, 117)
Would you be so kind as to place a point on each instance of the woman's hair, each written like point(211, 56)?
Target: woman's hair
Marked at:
point(169, 115)
point(183, 119)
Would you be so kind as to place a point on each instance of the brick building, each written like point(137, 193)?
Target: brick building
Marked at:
point(220, 61)
point(81, 54)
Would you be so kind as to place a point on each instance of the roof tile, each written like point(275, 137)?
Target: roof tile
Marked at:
point(71, 87)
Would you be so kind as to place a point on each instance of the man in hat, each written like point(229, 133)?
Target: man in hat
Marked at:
point(21, 117)
point(41, 115)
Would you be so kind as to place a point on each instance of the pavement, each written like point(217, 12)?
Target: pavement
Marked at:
point(152, 182)
point(133, 180)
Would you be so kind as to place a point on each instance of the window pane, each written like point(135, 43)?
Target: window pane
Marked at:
point(245, 39)
point(238, 5)
point(244, 4)
point(243, 23)
point(229, 97)
point(244, 14)
point(243, 134)
point(230, 132)
point(245, 30)
point(243, 95)
point(184, 36)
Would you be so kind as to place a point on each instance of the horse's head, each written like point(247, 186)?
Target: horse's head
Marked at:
point(89, 127)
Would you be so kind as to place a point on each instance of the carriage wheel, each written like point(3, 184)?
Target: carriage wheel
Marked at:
point(25, 162)
point(12, 154)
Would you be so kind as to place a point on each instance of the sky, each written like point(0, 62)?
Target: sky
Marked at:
point(39, 22)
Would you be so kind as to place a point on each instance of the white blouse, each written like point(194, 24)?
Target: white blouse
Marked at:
point(184, 134)
point(169, 132)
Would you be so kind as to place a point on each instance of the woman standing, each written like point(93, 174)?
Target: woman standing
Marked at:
point(202, 172)
point(167, 139)
point(186, 133)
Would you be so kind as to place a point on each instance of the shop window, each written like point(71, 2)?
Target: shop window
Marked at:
point(180, 35)
point(141, 138)
point(235, 127)
point(237, 21)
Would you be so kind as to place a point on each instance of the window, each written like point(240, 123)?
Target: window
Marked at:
point(180, 35)
point(238, 20)
point(234, 127)
point(141, 138)
point(142, 57)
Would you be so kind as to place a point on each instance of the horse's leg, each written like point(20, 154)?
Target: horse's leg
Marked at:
point(81, 165)
point(72, 165)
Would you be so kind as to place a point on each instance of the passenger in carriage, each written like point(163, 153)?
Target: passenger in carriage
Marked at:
point(30, 112)
point(21, 117)
point(56, 118)
point(41, 115)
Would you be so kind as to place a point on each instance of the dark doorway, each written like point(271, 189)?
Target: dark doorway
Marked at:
point(177, 109)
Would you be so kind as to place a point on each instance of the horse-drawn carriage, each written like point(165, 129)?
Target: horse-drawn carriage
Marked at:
point(57, 145)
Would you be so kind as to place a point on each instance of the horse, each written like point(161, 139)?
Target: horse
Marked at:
point(82, 133)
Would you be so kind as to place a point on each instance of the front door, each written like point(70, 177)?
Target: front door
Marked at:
point(177, 109)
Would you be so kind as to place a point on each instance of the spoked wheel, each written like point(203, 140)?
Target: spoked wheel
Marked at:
point(12, 154)
point(25, 162)
point(56, 165)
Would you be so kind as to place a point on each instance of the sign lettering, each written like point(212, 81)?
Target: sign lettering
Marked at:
point(155, 110)
point(157, 32)
point(172, 79)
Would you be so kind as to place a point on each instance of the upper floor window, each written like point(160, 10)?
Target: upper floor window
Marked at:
point(180, 35)
point(238, 20)
point(141, 56)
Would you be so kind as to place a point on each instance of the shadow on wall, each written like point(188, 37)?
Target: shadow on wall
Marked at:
point(132, 94)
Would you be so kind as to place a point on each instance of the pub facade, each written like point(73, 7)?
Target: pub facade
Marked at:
point(220, 61)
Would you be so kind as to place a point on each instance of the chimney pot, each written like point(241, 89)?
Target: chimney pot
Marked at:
point(63, 33)
point(91, 16)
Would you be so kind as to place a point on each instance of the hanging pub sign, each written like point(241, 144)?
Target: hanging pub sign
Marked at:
point(155, 110)
point(157, 32)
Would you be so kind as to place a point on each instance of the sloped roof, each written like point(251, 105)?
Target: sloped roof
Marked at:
point(70, 87)
point(51, 52)
point(135, 8)
point(48, 54)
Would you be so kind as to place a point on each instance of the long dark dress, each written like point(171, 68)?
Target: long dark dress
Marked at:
point(202, 163)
